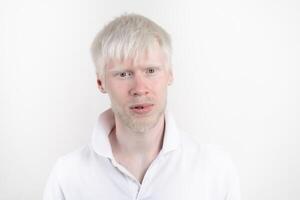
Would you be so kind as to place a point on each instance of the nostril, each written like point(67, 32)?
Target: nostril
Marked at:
point(139, 92)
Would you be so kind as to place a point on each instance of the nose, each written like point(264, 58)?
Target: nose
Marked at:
point(139, 86)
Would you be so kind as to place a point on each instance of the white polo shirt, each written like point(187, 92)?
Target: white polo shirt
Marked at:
point(183, 170)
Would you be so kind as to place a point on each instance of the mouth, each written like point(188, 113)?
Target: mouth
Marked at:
point(141, 108)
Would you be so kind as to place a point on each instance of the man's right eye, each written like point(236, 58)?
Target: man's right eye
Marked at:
point(125, 74)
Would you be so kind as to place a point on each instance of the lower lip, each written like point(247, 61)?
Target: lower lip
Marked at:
point(142, 111)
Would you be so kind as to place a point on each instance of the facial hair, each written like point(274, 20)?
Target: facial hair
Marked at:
point(139, 124)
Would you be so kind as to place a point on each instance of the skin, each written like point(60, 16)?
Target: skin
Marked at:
point(137, 138)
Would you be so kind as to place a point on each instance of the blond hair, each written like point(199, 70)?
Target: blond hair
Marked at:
point(128, 36)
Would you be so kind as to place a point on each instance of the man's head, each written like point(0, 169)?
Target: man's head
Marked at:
point(127, 37)
point(132, 55)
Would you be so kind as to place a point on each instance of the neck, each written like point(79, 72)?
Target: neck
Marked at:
point(136, 151)
point(146, 144)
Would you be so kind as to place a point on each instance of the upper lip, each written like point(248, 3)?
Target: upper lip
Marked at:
point(141, 105)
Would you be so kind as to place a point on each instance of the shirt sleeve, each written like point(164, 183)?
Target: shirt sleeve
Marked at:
point(53, 190)
point(234, 185)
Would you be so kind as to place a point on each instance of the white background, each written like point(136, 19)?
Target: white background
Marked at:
point(236, 66)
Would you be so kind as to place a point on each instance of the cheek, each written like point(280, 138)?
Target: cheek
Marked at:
point(160, 82)
point(118, 93)
point(116, 87)
point(160, 90)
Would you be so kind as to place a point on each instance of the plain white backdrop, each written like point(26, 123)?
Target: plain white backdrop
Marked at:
point(236, 66)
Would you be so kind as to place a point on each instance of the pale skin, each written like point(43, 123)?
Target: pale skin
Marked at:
point(137, 137)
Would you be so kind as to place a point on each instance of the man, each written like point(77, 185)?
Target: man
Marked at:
point(136, 151)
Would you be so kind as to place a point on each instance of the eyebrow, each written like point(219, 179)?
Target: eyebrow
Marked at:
point(153, 65)
point(118, 68)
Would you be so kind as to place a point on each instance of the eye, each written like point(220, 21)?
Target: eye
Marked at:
point(151, 70)
point(125, 74)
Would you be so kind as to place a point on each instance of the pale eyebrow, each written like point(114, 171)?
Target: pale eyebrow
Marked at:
point(153, 66)
point(120, 68)
point(117, 69)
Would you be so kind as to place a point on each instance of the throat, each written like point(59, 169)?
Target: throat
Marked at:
point(137, 166)
point(135, 151)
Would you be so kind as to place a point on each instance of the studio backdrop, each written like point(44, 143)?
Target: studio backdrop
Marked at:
point(236, 69)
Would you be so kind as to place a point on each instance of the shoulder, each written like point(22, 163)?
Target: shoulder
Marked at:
point(69, 163)
point(212, 155)
point(68, 171)
point(210, 165)
point(209, 159)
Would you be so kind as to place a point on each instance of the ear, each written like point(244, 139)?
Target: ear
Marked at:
point(100, 86)
point(171, 77)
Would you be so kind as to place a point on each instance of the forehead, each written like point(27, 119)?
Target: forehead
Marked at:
point(153, 55)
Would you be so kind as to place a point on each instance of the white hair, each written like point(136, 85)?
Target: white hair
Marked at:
point(128, 36)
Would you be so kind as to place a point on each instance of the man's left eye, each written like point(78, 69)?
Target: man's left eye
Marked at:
point(151, 70)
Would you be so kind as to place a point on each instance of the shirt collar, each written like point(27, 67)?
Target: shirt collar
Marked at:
point(105, 122)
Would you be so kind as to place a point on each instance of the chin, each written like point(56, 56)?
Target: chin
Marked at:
point(147, 122)
point(138, 122)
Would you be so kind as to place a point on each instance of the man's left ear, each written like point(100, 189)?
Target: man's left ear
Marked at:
point(171, 78)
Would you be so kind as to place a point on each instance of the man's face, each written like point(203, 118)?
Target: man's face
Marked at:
point(138, 89)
